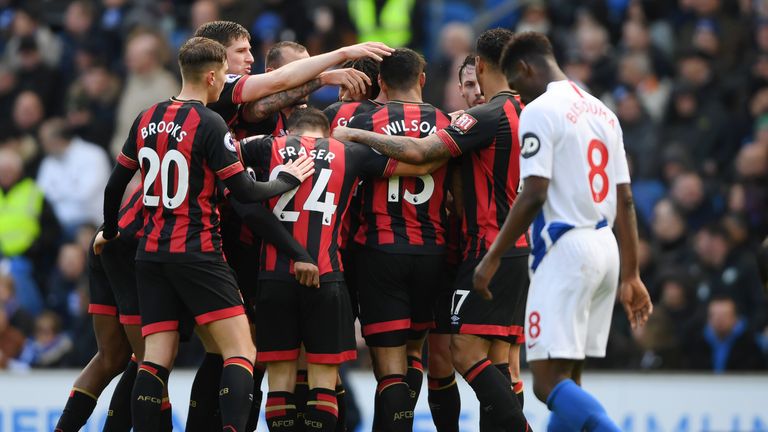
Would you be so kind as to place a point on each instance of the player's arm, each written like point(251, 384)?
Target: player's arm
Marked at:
point(245, 189)
point(527, 205)
point(259, 110)
point(416, 151)
point(410, 170)
point(632, 291)
point(127, 165)
point(299, 72)
point(264, 224)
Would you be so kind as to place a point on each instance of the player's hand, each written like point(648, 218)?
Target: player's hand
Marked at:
point(307, 274)
point(484, 273)
point(343, 133)
point(99, 242)
point(353, 81)
point(301, 168)
point(374, 50)
point(636, 301)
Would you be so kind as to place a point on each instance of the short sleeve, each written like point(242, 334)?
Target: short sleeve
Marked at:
point(621, 165)
point(537, 135)
point(473, 130)
point(230, 99)
point(128, 155)
point(220, 150)
point(369, 162)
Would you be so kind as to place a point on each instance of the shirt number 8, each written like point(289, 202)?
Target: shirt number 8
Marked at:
point(597, 157)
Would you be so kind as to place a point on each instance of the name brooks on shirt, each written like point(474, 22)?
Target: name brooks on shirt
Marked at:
point(170, 128)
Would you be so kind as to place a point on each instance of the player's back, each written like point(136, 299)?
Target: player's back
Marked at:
point(342, 112)
point(178, 143)
point(588, 154)
point(404, 214)
point(313, 211)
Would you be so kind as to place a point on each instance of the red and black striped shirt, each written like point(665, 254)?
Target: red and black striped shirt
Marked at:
point(404, 214)
point(131, 215)
point(341, 113)
point(228, 105)
point(486, 138)
point(313, 212)
point(274, 125)
point(181, 148)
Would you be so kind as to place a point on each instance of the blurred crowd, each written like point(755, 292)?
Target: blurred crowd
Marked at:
point(688, 79)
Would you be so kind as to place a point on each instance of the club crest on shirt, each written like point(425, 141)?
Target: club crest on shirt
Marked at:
point(464, 123)
point(530, 145)
point(229, 143)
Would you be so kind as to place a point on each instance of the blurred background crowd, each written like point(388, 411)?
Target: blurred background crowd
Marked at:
point(687, 78)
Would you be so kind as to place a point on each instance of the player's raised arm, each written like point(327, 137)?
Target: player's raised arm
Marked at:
point(350, 79)
point(299, 72)
point(415, 151)
point(632, 292)
point(527, 205)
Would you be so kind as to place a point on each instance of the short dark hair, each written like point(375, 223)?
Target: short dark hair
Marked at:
point(199, 53)
point(370, 68)
point(401, 70)
point(223, 32)
point(468, 61)
point(308, 118)
point(491, 43)
point(528, 46)
point(275, 52)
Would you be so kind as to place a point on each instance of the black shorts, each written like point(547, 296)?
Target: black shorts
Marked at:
point(441, 305)
point(245, 260)
point(291, 314)
point(118, 258)
point(102, 299)
point(350, 276)
point(171, 291)
point(397, 293)
point(499, 318)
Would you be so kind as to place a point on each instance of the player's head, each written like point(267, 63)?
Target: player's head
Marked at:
point(370, 68)
point(235, 39)
point(309, 122)
point(469, 88)
point(402, 71)
point(203, 63)
point(528, 63)
point(488, 48)
point(284, 52)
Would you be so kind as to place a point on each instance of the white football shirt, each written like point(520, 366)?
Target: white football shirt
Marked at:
point(574, 140)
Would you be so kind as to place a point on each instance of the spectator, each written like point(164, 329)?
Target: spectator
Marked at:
point(636, 71)
point(91, 105)
point(725, 343)
point(79, 32)
point(713, 32)
point(28, 114)
point(8, 91)
point(28, 228)
point(34, 75)
point(593, 44)
point(640, 133)
point(16, 315)
point(722, 271)
point(72, 176)
point(698, 205)
point(11, 340)
point(147, 82)
point(65, 281)
point(26, 22)
point(49, 347)
point(669, 229)
point(636, 38)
